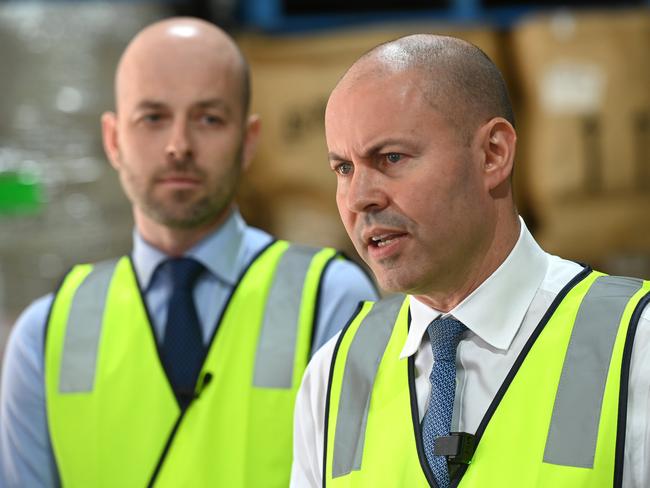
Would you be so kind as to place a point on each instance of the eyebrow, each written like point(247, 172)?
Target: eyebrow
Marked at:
point(214, 103)
point(332, 156)
point(371, 151)
point(209, 103)
point(149, 104)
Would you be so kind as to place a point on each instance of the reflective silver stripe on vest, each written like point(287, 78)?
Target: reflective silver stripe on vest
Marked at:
point(364, 356)
point(79, 357)
point(573, 431)
point(277, 344)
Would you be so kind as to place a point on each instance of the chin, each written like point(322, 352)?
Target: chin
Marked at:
point(395, 281)
point(390, 283)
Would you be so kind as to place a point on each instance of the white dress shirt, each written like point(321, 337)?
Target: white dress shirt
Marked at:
point(500, 314)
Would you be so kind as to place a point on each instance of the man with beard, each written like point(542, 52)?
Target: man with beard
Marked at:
point(503, 366)
point(177, 365)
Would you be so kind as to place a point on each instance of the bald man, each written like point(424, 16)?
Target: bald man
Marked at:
point(503, 365)
point(177, 365)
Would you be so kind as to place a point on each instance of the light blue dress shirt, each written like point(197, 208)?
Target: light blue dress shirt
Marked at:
point(26, 458)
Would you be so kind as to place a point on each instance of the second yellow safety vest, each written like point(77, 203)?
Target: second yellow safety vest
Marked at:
point(113, 418)
point(556, 421)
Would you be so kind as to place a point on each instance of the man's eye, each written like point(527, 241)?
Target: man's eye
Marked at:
point(393, 157)
point(208, 119)
point(152, 118)
point(343, 168)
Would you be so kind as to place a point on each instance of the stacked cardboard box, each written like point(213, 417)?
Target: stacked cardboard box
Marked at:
point(585, 151)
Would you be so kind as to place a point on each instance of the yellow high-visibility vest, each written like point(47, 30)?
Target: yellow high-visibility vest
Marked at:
point(113, 418)
point(555, 422)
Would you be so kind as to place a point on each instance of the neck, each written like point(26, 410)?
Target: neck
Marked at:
point(175, 241)
point(445, 296)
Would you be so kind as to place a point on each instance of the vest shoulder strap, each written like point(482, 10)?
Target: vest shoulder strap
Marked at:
point(363, 358)
point(290, 290)
point(84, 325)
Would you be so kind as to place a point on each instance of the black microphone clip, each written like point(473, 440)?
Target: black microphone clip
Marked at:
point(459, 447)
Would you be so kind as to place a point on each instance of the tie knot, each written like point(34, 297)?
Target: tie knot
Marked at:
point(184, 272)
point(445, 335)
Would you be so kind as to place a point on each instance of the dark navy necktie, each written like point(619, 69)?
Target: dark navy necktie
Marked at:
point(182, 349)
point(444, 335)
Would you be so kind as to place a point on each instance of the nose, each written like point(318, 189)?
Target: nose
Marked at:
point(366, 192)
point(179, 146)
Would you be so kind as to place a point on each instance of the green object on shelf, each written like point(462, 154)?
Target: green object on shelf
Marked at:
point(20, 193)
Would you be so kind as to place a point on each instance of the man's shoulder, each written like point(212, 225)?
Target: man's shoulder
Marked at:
point(36, 310)
point(645, 313)
point(316, 376)
point(30, 324)
point(256, 234)
point(562, 271)
point(341, 272)
point(559, 273)
point(29, 330)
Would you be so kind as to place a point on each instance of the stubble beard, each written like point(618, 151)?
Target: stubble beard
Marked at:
point(389, 273)
point(184, 209)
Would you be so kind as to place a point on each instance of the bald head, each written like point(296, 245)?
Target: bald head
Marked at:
point(456, 77)
point(182, 135)
point(178, 44)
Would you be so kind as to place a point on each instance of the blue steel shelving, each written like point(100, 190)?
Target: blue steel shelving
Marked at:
point(269, 15)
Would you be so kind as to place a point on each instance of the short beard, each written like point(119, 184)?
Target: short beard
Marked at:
point(181, 211)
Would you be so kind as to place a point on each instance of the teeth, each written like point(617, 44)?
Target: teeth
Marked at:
point(384, 243)
point(382, 240)
point(379, 238)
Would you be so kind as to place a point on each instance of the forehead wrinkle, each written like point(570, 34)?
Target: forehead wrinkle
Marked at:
point(341, 106)
point(377, 147)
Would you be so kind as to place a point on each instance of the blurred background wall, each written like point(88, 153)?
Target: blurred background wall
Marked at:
point(578, 73)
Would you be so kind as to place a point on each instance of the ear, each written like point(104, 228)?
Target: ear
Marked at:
point(109, 137)
point(253, 127)
point(497, 143)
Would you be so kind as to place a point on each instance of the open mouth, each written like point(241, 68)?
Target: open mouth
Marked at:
point(383, 240)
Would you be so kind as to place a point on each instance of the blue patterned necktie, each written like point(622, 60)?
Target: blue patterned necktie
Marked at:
point(182, 349)
point(444, 335)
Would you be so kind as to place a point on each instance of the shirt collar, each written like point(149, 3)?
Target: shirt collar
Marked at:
point(496, 309)
point(218, 252)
